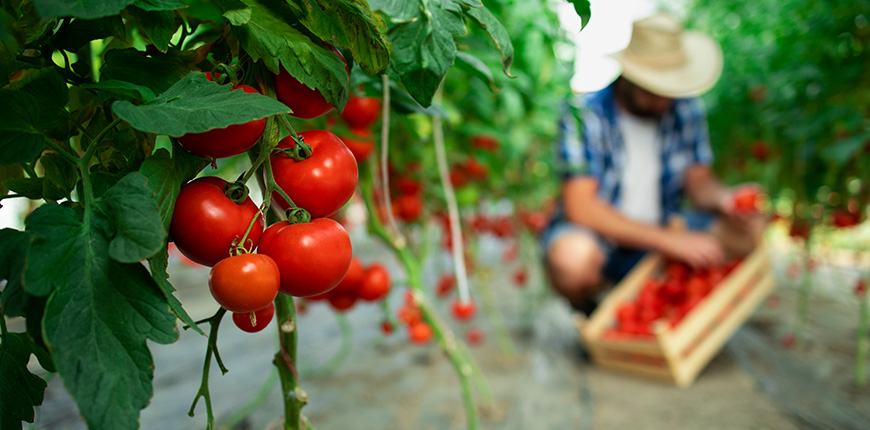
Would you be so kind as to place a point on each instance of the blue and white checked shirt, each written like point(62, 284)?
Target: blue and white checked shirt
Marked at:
point(590, 144)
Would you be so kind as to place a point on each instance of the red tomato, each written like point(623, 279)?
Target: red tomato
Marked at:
point(676, 270)
point(244, 283)
point(464, 311)
point(420, 332)
point(626, 312)
point(408, 185)
point(312, 257)
point(520, 277)
point(844, 219)
point(387, 328)
point(375, 283)
point(800, 229)
point(475, 169)
point(444, 286)
point(408, 207)
point(474, 336)
point(535, 221)
point(861, 288)
point(361, 112)
point(484, 142)
point(457, 178)
point(503, 227)
point(305, 102)
point(321, 184)
point(262, 317)
point(205, 222)
point(352, 280)
point(409, 315)
point(340, 301)
point(228, 141)
point(760, 150)
point(360, 143)
point(746, 199)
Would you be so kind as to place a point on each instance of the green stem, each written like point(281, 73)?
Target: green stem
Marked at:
point(863, 343)
point(203, 392)
point(286, 123)
point(285, 360)
point(344, 349)
point(495, 318)
point(62, 152)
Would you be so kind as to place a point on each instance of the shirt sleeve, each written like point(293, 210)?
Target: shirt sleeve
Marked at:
point(701, 149)
point(580, 138)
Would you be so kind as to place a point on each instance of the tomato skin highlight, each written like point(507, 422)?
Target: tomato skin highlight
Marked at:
point(244, 283)
point(321, 184)
point(306, 103)
point(361, 112)
point(263, 317)
point(312, 257)
point(205, 222)
point(228, 141)
point(375, 284)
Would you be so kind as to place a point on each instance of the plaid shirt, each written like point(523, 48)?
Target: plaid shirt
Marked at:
point(590, 144)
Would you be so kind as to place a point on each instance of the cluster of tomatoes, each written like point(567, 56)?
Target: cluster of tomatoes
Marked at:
point(669, 297)
point(215, 223)
point(419, 331)
point(359, 114)
point(370, 283)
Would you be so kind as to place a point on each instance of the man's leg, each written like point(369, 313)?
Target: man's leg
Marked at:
point(574, 261)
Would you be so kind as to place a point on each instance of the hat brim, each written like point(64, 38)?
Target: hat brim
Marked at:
point(697, 75)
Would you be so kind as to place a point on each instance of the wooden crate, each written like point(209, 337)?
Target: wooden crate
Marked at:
point(677, 355)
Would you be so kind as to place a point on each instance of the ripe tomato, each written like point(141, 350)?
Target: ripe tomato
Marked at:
point(445, 285)
point(464, 311)
point(760, 150)
point(487, 143)
point(861, 288)
point(262, 317)
point(746, 199)
point(312, 257)
point(205, 222)
point(305, 102)
point(474, 336)
point(360, 143)
point(520, 277)
point(321, 184)
point(408, 185)
point(228, 141)
point(352, 280)
point(408, 207)
point(375, 284)
point(341, 301)
point(475, 169)
point(503, 227)
point(419, 333)
point(457, 178)
point(361, 112)
point(387, 327)
point(842, 218)
point(409, 315)
point(244, 283)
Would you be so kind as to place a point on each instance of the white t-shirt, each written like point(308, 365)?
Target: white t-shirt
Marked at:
point(640, 195)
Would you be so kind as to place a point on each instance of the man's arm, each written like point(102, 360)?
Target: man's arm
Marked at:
point(584, 207)
point(705, 191)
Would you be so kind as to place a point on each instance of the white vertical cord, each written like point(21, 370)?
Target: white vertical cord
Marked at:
point(385, 171)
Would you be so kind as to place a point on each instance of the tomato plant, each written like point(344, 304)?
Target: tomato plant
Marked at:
point(228, 141)
point(304, 102)
point(361, 112)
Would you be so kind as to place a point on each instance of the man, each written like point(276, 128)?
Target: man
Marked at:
point(629, 155)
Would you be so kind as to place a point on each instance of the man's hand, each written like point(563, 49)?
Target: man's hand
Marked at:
point(698, 250)
point(740, 204)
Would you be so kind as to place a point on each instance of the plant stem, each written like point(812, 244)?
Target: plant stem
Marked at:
point(203, 392)
point(863, 343)
point(62, 152)
point(495, 318)
point(385, 160)
point(285, 360)
point(286, 123)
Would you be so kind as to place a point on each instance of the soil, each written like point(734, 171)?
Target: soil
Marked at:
point(386, 383)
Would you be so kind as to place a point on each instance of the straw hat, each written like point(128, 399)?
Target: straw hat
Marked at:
point(667, 60)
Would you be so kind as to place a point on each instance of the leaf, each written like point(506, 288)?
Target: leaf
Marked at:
point(157, 72)
point(131, 207)
point(167, 174)
point(80, 8)
point(98, 317)
point(158, 264)
point(268, 36)
point(423, 52)
point(584, 11)
point(22, 390)
point(348, 24)
point(475, 67)
point(27, 187)
point(10, 172)
point(498, 33)
point(13, 248)
point(81, 31)
point(194, 105)
point(843, 150)
point(158, 25)
point(124, 90)
point(399, 11)
point(155, 5)
point(60, 176)
point(20, 140)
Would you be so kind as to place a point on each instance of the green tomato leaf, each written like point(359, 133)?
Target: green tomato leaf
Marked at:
point(80, 8)
point(498, 33)
point(155, 5)
point(158, 25)
point(843, 150)
point(157, 72)
point(348, 24)
point(473, 66)
point(22, 390)
point(13, 248)
point(20, 139)
point(167, 174)
point(60, 176)
point(584, 11)
point(194, 105)
point(131, 207)
point(81, 31)
point(268, 36)
point(423, 52)
point(7, 173)
point(27, 187)
point(399, 11)
point(158, 264)
point(98, 317)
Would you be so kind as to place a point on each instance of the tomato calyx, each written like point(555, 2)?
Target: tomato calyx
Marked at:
point(298, 216)
point(300, 151)
point(236, 191)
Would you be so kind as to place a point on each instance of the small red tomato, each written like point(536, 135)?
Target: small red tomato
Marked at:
point(420, 333)
point(387, 328)
point(408, 207)
point(375, 283)
point(312, 257)
point(503, 227)
point(475, 169)
point(535, 221)
point(341, 302)
point(259, 321)
point(626, 312)
point(457, 178)
point(205, 222)
point(360, 143)
point(244, 283)
point(305, 102)
point(861, 288)
point(445, 285)
point(409, 315)
point(520, 277)
point(474, 336)
point(487, 143)
point(788, 340)
point(408, 185)
point(228, 141)
point(844, 219)
point(361, 112)
point(464, 311)
point(321, 184)
point(353, 279)
point(746, 199)
point(760, 150)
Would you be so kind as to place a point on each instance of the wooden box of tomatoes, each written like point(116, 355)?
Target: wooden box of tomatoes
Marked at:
point(666, 322)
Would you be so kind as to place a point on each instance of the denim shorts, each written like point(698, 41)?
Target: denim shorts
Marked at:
point(619, 260)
